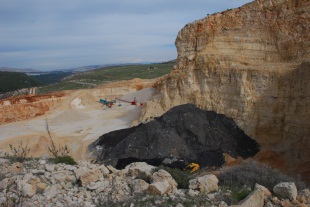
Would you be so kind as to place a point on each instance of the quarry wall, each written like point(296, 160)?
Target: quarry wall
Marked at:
point(252, 64)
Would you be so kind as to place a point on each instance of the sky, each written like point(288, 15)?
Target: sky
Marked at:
point(59, 34)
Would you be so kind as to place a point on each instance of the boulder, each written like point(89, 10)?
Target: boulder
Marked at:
point(42, 162)
point(112, 169)
point(49, 167)
point(96, 185)
point(223, 204)
point(163, 175)
point(16, 168)
point(304, 196)
point(263, 189)
point(41, 186)
point(27, 189)
point(87, 176)
point(286, 190)
point(38, 172)
point(204, 184)
point(104, 170)
point(4, 184)
point(159, 188)
point(138, 169)
point(51, 192)
point(64, 175)
point(139, 186)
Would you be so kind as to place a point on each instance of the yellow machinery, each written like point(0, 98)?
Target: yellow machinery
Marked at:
point(193, 167)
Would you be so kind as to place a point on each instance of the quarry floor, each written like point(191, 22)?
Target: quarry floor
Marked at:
point(76, 120)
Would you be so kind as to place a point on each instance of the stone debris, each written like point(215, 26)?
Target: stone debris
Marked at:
point(42, 183)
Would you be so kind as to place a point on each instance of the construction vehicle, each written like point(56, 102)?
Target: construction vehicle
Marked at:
point(193, 167)
point(107, 103)
point(134, 102)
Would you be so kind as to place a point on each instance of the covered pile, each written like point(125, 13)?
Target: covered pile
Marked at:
point(184, 132)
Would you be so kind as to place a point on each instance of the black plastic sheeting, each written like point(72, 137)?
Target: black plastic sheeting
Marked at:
point(185, 132)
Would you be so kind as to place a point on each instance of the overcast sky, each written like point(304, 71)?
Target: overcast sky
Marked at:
point(55, 34)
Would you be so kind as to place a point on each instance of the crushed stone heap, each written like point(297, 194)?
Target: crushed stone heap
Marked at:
point(184, 132)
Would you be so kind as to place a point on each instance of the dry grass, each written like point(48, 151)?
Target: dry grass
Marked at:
point(251, 172)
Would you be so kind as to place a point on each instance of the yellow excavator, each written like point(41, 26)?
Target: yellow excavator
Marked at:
point(192, 166)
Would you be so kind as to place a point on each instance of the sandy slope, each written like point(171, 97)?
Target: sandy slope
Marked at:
point(78, 121)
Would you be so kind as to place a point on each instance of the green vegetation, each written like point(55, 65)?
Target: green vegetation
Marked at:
point(19, 153)
point(10, 81)
point(240, 194)
point(52, 77)
point(68, 160)
point(233, 194)
point(126, 72)
point(181, 177)
point(61, 86)
point(60, 152)
point(58, 80)
point(93, 78)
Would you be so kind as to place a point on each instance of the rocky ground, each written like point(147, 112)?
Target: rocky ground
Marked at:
point(42, 183)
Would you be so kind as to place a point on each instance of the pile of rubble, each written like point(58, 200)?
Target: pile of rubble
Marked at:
point(41, 183)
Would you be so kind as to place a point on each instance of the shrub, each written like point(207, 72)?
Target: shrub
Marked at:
point(19, 153)
point(232, 195)
point(240, 194)
point(57, 151)
point(60, 153)
point(64, 159)
point(12, 198)
point(181, 177)
point(251, 172)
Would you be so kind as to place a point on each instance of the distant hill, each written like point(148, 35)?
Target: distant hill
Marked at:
point(10, 81)
point(52, 77)
point(80, 77)
point(27, 70)
point(95, 77)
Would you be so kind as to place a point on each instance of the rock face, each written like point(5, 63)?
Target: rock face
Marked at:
point(184, 132)
point(251, 64)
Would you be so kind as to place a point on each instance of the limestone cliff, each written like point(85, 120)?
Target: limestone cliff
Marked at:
point(252, 64)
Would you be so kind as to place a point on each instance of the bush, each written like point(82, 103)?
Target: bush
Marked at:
point(19, 153)
point(56, 151)
point(251, 172)
point(240, 194)
point(181, 177)
point(232, 195)
point(64, 159)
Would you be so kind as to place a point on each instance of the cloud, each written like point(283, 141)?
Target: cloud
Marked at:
point(59, 34)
